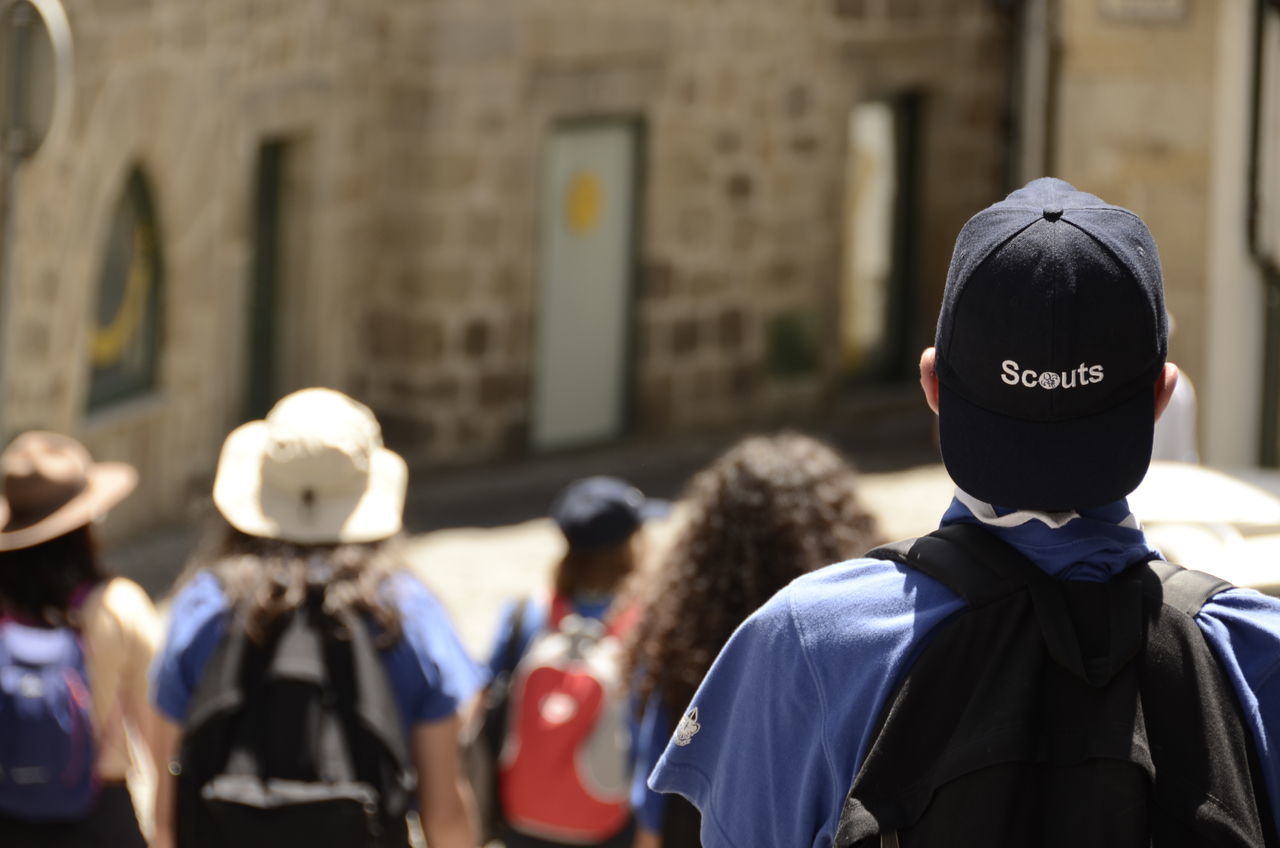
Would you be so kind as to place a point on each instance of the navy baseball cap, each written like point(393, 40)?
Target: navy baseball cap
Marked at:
point(1051, 336)
point(600, 512)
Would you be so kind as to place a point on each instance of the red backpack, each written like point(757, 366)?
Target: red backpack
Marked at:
point(564, 772)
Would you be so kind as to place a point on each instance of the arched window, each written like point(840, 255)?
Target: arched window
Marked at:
point(125, 335)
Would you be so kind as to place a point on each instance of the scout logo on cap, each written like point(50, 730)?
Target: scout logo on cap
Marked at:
point(1084, 375)
point(1044, 288)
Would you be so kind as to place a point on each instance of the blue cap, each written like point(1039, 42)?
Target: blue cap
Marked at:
point(1050, 339)
point(601, 512)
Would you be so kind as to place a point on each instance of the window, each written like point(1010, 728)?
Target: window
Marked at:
point(125, 332)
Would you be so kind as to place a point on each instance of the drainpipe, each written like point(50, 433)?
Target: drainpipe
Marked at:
point(1268, 267)
point(20, 134)
point(1035, 100)
point(13, 145)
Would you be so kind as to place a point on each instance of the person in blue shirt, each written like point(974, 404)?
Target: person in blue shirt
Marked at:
point(1047, 374)
point(768, 510)
point(602, 520)
point(310, 494)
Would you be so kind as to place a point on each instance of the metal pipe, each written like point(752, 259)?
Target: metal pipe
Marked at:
point(12, 148)
point(1269, 449)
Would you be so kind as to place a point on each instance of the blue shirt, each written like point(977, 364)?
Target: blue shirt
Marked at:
point(789, 708)
point(652, 732)
point(430, 672)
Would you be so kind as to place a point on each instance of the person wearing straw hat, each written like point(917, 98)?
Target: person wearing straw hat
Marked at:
point(52, 581)
point(309, 497)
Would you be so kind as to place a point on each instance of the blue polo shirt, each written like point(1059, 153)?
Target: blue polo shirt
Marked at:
point(789, 708)
point(653, 731)
point(430, 672)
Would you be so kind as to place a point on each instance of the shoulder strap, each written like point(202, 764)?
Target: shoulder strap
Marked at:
point(220, 687)
point(981, 569)
point(558, 609)
point(515, 635)
point(1184, 589)
point(964, 558)
point(372, 698)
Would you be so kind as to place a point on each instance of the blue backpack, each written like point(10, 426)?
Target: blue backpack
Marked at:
point(47, 749)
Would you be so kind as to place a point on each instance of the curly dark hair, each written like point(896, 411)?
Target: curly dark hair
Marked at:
point(272, 577)
point(767, 511)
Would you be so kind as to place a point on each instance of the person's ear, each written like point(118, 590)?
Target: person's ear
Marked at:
point(929, 378)
point(1166, 382)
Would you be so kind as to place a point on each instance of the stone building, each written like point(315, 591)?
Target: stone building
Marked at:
point(509, 226)
point(1172, 108)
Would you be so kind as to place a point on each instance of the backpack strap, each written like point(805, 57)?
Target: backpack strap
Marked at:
point(1184, 589)
point(352, 661)
point(558, 609)
point(515, 635)
point(961, 557)
point(617, 620)
point(981, 569)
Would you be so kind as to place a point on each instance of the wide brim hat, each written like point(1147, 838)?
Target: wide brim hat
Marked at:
point(314, 471)
point(52, 486)
point(1050, 339)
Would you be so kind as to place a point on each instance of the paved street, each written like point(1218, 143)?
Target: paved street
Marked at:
point(499, 547)
point(475, 569)
point(478, 535)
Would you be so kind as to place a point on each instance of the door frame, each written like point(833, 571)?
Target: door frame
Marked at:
point(637, 125)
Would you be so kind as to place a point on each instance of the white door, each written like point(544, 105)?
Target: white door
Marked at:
point(585, 268)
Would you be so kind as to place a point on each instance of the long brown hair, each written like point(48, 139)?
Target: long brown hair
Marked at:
point(267, 578)
point(767, 511)
point(40, 581)
point(597, 571)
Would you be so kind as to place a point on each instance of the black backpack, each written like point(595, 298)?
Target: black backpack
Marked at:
point(1058, 713)
point(295, 741)
point(483, 741)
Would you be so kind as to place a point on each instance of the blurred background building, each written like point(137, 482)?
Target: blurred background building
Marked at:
point(516, 227)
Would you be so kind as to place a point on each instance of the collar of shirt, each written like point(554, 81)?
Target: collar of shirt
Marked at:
point(1092, 544)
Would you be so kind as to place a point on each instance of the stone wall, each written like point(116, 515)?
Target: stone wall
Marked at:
point(186, 91)
point(745, 109)
point(1134, 124)
point(415, 133)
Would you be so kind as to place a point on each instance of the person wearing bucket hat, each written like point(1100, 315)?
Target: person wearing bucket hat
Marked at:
point(601, 519)
point(307, 501)
point(882, 700)
point(52, 582)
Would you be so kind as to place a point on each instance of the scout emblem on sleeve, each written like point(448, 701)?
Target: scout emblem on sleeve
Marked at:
point(687, 728)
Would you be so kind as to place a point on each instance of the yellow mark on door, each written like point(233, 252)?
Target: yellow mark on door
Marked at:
point(583, 203)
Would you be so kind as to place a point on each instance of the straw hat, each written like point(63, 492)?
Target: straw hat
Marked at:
point(313, 472)
point(52, 486)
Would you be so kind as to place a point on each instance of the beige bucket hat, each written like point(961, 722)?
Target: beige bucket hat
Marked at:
point(313, 472)
point(52, 486)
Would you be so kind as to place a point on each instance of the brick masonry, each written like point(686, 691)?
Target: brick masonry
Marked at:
point(1134, 124)
point(415, 135)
